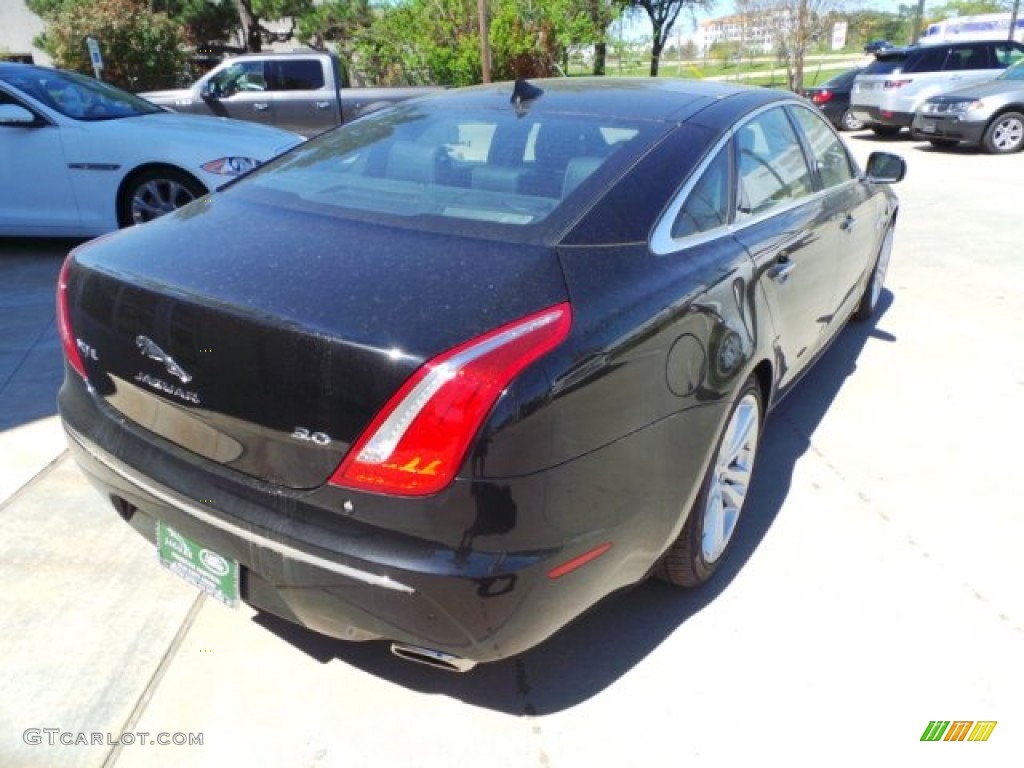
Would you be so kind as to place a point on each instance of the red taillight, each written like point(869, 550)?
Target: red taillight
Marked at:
point(820, 97)
point(417, 442)
point(67, 338)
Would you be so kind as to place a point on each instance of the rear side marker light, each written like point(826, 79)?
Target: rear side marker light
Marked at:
point(67, 336)
point(418, 441)
point(578, 562)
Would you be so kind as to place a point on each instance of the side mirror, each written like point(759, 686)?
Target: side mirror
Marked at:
point(12, 114)
point(884, 168)
point(207, 91)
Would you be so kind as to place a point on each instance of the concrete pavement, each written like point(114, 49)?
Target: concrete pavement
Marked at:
point(876, 585)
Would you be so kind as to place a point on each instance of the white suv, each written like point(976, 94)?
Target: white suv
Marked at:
point(890, 89)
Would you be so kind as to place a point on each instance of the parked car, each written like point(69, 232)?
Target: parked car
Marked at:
point(874, 46)
point(833, 99)
point(990, 115)
point(452, 374)
point(81, 157)
point(892, 88)
point(306, 92)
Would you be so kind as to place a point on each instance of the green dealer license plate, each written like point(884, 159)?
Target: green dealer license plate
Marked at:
point(214, 574)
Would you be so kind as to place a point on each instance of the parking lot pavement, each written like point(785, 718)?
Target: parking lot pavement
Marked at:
point(876, 585)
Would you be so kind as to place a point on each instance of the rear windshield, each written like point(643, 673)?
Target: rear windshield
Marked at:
point(456, 166)
point(886, 65)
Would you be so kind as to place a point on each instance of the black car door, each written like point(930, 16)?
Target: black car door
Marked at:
point(789, 232)
point(854, 218)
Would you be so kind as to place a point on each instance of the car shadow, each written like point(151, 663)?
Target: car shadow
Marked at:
point(966, 150)
point(604, 644)
point(31, 363)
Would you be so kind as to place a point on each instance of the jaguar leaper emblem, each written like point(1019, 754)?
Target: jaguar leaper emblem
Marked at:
point(149, 348)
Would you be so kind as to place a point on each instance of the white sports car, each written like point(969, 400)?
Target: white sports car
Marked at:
point(79, 157)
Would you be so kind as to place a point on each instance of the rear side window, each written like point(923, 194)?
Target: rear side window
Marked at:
point(296, 75)
point(927, 60)
point(707, 206)
point(771, 166)
point(973, 57)
point(886, 65)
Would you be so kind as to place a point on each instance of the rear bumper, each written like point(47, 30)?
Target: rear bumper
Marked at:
point(877, 116)
point(307, 560)
point(948, 127)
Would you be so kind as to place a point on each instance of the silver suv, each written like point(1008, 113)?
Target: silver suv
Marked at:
point(890, 89)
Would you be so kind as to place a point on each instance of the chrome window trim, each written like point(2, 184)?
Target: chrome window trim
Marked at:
point(661, 241)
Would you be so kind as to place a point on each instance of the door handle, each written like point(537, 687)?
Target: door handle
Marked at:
point(261, 106)
point(323, 105)
point(848, 222)
point(781, 270)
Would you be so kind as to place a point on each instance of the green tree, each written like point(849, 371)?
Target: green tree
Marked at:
point(967, 8)
point(202, 21)
point(438, 41)
point(663, 15)
point(141, 50)
point(336, 21)
point(252, 13)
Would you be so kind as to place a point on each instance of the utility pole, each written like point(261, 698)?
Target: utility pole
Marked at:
point(918, 18)
point(485, 44)
point(1013, 19)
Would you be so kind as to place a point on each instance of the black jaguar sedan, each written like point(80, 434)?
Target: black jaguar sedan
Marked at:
point(453, 373)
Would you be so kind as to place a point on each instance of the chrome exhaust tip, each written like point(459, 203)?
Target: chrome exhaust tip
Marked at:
point(432, 658)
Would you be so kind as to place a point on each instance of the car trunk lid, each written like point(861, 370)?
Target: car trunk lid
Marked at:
point(269, 348)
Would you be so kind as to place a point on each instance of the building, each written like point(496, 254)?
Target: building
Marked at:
point(18, 26)
point(750, 33)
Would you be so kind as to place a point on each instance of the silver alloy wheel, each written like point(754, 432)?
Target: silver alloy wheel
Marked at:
point(1008, 133)
point(156, 197)
point(730, 478)
point(851, 123)
point(881, 267)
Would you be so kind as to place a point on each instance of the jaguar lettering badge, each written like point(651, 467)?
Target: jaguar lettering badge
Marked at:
point(149, 348)
point(165, 386)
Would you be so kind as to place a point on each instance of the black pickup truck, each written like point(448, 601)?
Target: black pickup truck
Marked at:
point(306, 92)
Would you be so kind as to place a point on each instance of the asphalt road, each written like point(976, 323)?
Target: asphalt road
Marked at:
point(876, 586)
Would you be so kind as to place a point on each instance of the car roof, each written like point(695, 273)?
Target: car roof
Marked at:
point(637, 98)
point(10, 67)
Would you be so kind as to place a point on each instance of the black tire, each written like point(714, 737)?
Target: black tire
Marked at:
point(155, 192)
point(886, 130)
point(850, 123)
point(687, 563)
point(943, 143)
point(873, 290)
point(1005, 134)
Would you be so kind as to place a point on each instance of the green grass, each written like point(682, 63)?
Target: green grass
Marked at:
point(765, 73)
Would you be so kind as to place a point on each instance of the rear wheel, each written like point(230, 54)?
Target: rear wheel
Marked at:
point(886, 130)
point(709, 528)
point(1004, 134)
point(943, 143)
point(850, 123)
point(873, 290)
point(155, 192)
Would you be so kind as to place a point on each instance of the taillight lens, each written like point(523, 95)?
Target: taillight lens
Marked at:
point(821, 97)
point(67, 337)
point(418, 441)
